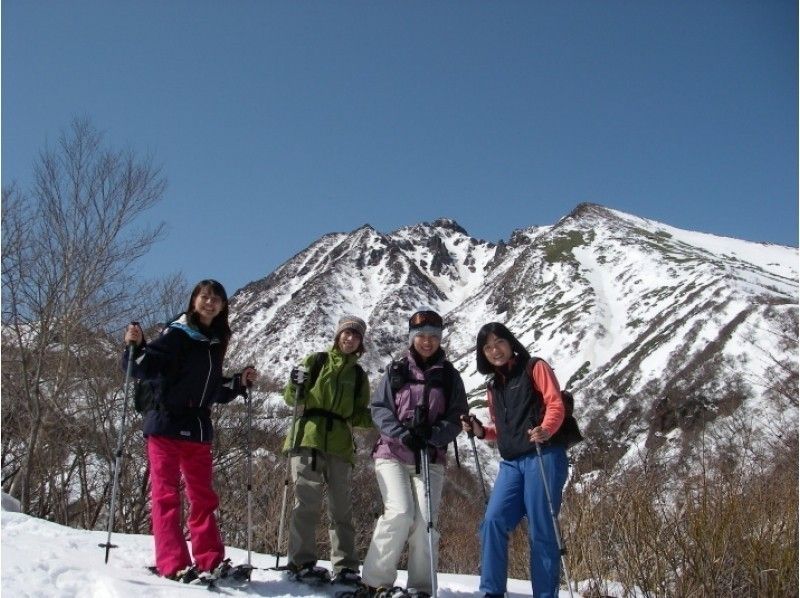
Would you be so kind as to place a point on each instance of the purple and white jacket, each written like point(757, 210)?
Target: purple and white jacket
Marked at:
point(391, 412)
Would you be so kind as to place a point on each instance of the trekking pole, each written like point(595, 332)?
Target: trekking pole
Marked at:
point(471, 436)
point(118, 454)
point(562, 551)
point(426, 476)
point(297, 395)
point(420, 418)
point(249, 400)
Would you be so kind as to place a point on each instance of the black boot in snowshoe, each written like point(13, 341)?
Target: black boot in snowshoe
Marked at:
point(188, 575)
point(311, 574)
point(229, 575)
point(347, 577)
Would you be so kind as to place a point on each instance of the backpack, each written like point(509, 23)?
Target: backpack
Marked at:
point(569, 429)
point(569, 433)
point(144, 395)
point(398, 376)
point(316, 366)
point(144, 391)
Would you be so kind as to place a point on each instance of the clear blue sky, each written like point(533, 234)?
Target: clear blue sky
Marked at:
point(279, 121)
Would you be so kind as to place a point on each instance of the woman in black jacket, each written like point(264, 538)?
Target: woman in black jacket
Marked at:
point(184, 365)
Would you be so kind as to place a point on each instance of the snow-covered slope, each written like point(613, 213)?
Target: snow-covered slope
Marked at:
point(46, 560)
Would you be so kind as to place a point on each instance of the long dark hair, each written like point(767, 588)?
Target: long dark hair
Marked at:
point(219, 325)
point(500, 331)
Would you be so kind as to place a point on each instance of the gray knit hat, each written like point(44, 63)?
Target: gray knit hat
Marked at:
point(351, 323)
point(425, 321)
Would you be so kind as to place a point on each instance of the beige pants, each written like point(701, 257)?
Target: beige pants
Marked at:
point(308, 488)
point(405, 518)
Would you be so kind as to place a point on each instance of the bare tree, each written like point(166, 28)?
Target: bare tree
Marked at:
point(67, 248)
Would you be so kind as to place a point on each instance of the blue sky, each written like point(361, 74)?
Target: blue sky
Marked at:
point(276, 122)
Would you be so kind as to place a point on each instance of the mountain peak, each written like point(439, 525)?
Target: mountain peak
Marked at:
point(449, 224)
point(586, 210)
point(629, 315)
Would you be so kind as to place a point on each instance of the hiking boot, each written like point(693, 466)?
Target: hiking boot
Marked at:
point(347, 576)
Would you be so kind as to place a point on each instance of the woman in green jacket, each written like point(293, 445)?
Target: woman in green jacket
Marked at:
point(334, 398)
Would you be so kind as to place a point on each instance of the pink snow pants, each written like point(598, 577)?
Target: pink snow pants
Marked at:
point(170, 459)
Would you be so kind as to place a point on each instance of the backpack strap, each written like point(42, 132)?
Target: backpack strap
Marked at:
point(320, 358)
point(399, 376)
point(313, 373)
point(328, 415)
point(359, 382)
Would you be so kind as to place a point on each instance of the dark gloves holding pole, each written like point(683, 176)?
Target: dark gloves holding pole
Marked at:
point(414, 442)
point(298, 375)
point(472, 426)
point(134, 334)
point(418, 436)
point(244, 379)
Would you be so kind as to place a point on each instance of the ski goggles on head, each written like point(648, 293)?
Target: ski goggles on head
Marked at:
point(425, 318)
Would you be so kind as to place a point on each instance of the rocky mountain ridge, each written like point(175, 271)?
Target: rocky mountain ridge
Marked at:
point(659, 332)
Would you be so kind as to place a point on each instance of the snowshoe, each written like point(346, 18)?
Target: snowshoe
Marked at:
point(227, 575)
point(310, 574)
point(207, 579)
point(347, 577)
point(393, 592)
point(188, 575)
point(222, 570)
point(240, 573)
point(360, 591)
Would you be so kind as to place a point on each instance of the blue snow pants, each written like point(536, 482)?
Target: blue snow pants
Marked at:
point(518, 492)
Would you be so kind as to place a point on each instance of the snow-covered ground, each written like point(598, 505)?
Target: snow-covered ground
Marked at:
point(44, 559)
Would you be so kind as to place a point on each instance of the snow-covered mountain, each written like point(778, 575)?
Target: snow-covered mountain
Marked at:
point(657, 330)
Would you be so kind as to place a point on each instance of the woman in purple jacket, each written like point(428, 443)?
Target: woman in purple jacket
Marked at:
point(417, 407)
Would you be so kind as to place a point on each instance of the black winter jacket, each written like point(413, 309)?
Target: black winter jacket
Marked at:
point(186, 367)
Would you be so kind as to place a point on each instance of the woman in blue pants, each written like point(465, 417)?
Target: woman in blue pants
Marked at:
point(526, 409)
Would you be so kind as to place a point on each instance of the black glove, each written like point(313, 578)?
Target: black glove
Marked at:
point(298, 375)
point(423, 430)
point(414, 442)
point(475, 423)
point(238, 387)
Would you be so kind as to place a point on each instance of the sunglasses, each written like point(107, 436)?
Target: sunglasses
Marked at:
point(426, 318)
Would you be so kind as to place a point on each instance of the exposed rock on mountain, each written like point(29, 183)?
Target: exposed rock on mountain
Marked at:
point(660, 332)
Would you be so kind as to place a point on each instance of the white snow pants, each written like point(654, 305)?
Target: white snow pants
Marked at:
point(405, 518)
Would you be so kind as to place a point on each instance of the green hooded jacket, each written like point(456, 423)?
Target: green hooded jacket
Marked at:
point(332, 393)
